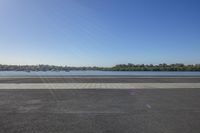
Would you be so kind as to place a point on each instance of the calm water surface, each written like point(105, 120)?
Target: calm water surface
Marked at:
point(95, 73)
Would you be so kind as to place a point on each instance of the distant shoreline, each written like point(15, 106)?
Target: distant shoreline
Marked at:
point(102, 71)
point(121, 67)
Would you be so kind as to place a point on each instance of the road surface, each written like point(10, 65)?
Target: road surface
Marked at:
point(100, 110)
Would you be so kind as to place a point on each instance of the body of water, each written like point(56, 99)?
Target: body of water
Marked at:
point(94, 73)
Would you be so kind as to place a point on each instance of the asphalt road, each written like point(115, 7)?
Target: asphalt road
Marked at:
point(100, 80)
point(100, 111)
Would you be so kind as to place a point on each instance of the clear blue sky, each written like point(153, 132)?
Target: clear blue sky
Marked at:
point(99, 32)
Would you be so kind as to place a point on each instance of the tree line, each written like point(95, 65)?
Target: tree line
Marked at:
point(120, 67)
point(160, 67)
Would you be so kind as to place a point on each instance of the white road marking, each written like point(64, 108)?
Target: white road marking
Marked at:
point(99, 85)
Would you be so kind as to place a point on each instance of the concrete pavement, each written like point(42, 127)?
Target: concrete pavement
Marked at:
point(100, 105)
point(100, 111)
